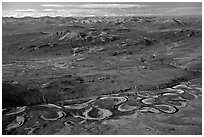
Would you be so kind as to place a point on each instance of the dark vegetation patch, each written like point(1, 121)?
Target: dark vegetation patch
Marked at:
point(14, 95)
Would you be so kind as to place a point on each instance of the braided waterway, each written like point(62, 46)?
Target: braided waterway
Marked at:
point(36, 119)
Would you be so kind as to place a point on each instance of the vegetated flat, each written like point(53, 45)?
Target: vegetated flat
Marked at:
point(102, 75)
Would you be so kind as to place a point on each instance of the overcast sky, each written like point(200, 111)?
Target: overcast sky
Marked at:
point(36, 9)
